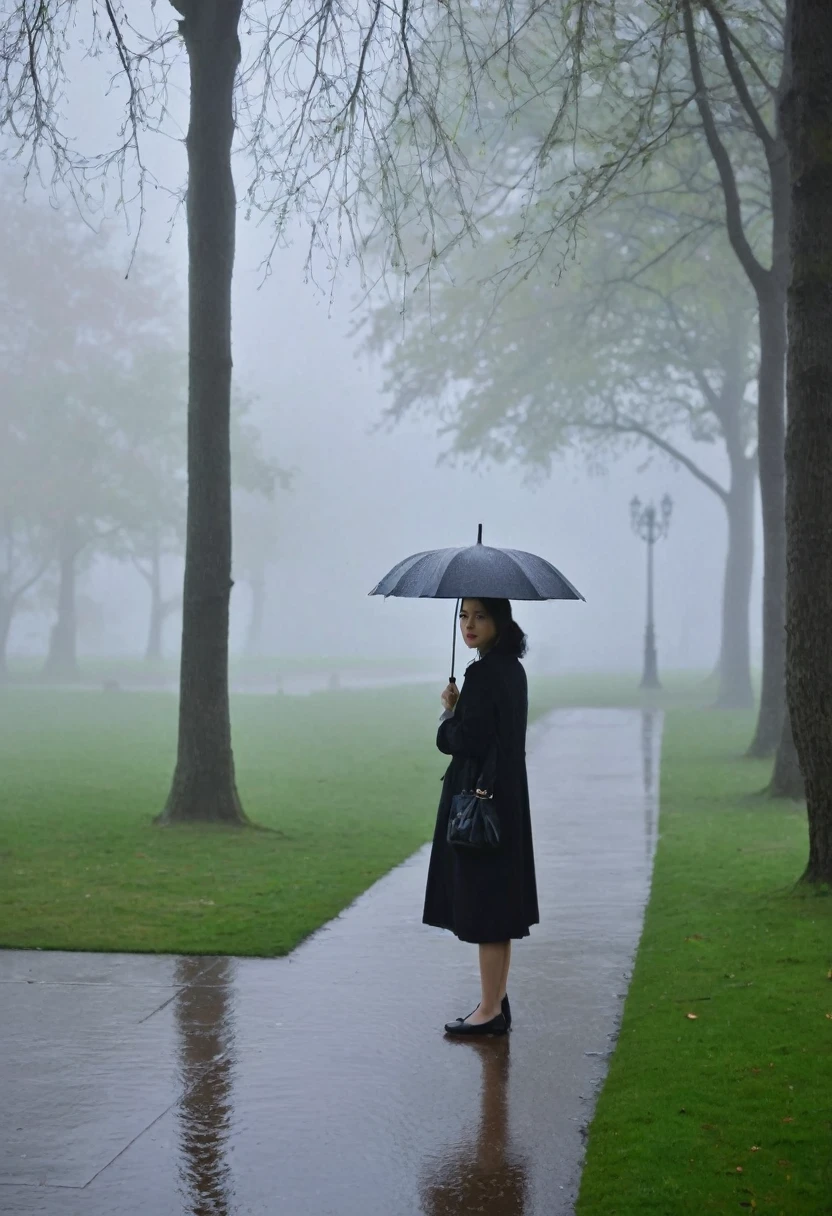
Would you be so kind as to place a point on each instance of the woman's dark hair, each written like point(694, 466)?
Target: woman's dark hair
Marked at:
point(510, 637)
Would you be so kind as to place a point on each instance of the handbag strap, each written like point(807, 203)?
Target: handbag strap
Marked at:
point(488, 775)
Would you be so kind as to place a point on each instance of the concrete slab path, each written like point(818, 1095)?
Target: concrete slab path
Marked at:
point(321, 1084)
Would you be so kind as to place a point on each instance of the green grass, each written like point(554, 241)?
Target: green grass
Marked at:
point(730, 1111)
point(346, 782)
point(692, 689)
point(136, 670)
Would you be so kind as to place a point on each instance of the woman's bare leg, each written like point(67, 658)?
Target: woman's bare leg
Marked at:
point(504, 987)
point(494, 961)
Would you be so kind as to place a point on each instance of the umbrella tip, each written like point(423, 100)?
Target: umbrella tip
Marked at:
point(479, 535)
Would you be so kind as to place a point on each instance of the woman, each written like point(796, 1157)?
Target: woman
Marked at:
point(487, 898)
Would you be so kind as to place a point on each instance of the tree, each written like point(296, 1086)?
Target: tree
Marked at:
point(73, 330)
point(769, 284)
point(324, 85)
point(256, 534)
point(94, 483)
point(592, 91)
point(647, 341)
point(153, 401)
point(806, 111)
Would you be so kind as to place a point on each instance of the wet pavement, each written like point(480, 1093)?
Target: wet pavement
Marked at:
point(321, 1084)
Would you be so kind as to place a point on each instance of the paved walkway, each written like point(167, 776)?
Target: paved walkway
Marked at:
point(136, 1085)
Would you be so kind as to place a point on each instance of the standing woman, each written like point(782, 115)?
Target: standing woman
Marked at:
point(486, 898)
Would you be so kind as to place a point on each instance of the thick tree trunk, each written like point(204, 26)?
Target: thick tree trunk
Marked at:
point(734, 669)
point(771, 414)
point(787, 777)
point(62, 658)
point(807, 119)
point(204, 787)
point(254, 634)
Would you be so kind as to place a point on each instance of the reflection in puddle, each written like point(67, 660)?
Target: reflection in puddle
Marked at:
point(484, 1173)
point(650, 734)
point(203, 1019)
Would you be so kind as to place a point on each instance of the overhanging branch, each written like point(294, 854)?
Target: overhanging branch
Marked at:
point(757, 273)
point(631, 427)
point(738, 80)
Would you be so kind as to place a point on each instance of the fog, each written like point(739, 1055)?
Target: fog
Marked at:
point(363, 498)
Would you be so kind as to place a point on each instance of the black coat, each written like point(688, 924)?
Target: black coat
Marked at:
point(486, 897)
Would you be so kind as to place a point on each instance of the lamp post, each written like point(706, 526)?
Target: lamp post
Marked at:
point(651, 525)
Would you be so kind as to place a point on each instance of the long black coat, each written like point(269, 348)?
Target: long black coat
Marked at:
point(488, 897)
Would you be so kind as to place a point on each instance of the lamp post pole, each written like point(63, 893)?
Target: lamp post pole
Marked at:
point(651, 524)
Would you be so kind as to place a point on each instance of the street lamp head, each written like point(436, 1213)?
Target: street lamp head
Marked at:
point(635, 512)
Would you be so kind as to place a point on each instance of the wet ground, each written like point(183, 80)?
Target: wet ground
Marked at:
point(321, 1084)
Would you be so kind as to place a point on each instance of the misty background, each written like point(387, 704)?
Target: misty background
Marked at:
point(362, 498)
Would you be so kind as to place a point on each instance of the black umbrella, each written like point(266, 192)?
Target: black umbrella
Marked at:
point(476, 572)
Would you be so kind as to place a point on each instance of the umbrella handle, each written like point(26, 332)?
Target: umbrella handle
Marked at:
point(453, 645)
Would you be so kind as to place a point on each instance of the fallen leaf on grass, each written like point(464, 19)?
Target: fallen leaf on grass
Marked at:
point(829, 1015)
point(788, 1119)
point(739, 1169)
point(695, 937)
point(693, 1016)
point(755, 1148)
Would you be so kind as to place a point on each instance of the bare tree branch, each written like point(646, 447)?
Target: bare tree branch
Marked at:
point(738, 80)
point(631, 427)
point(757, 273)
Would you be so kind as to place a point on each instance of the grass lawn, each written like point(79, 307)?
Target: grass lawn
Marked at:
point(139, 671)
point(347, 783)
point(730, 1111)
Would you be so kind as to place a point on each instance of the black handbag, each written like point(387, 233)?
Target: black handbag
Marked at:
point(473, 822)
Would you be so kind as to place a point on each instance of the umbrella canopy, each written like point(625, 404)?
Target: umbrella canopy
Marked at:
point(476, 572)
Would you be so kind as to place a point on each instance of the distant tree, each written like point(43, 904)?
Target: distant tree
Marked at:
point(257, 530)
point(647, 341)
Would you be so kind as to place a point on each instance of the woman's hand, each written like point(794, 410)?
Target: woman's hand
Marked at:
point(450, 696)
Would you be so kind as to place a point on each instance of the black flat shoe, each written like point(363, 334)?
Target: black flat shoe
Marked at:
point(506, 1011)
point(463, 1029)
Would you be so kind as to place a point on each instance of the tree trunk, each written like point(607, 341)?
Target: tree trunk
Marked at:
point(203, 787)
point(153, 652)
point(254, 634)
point(807, 119)
point(787, 778)
point(734, 668)
point(62, 659)
point(771, 426)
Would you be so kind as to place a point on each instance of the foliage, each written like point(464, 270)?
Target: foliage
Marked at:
point(648, 338)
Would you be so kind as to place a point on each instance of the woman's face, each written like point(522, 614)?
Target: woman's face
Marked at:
point(478, 629)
